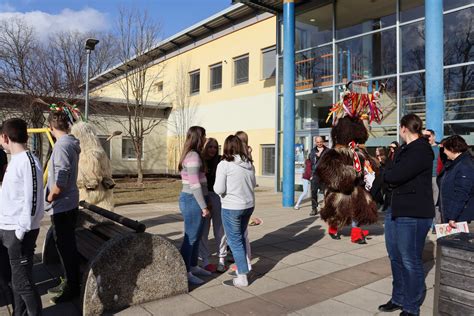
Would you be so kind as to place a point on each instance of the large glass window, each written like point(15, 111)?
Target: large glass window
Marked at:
point(367, 56)
point(194, 79)
point(241, 69)
point(413, 46)
point(268, 62)
point(413, 94)
point(411, 9)
point(459, 36)
point(355, 17)
point(215, 76)
point(313, 27)
point(465, 129)
point(459, 93)
point(452, 4)
point(268, 160)
point(312, 110)
point(314, 68)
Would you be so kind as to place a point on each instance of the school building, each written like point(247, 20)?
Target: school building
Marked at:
point(274, 68)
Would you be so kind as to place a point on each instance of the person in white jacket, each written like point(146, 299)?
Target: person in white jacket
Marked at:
point(21, 210)
point(235, 184)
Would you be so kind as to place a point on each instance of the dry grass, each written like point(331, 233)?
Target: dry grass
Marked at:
point(160, 190)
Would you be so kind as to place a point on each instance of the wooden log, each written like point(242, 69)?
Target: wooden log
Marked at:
point(457, 280)
point(450, 308)
point(457, 254)
point(457, 266)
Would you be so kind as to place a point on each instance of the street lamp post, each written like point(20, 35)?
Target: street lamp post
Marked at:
point(90, 45)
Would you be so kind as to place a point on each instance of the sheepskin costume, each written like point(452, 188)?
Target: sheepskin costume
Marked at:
point(95, 173)
point(347, 171)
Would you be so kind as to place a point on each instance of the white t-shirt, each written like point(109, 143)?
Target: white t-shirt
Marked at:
point(22, 197)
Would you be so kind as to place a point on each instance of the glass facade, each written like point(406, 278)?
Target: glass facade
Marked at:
point(372, 43)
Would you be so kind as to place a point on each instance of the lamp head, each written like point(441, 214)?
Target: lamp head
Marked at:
point(90, 43)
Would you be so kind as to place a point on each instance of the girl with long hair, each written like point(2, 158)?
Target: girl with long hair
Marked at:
point(193, 201)
point(211, 159)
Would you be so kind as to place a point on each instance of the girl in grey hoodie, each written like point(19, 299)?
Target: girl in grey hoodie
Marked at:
point(235, 184)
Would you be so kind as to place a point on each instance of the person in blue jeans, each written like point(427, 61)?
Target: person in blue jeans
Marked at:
point(235, 184)
point(193, 201)
point(409, 217)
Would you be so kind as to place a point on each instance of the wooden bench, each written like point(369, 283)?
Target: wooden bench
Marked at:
point(122, 265)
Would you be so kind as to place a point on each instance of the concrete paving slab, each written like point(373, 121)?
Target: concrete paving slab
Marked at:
point(219, 295)
point(133, 311)
point(346, 259)
point(175, 306)
point(363, 299)
point(370, 252)
point(264, 284)
point(253, 306)
point(383, 286)
point(332, 308)
point(292, 275)
point(321, 266)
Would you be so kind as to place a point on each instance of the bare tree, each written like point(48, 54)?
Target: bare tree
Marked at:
point(138, 34)
point(183, 115)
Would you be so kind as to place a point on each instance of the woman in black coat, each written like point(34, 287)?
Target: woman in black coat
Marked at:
point(457, 182)
point(409, 217)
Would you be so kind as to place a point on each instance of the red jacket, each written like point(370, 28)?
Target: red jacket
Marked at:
point(307, 170)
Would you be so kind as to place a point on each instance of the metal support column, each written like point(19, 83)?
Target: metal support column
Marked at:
point(288, 103)
point(434, 66)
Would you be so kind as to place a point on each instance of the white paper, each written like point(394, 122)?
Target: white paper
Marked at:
point(445, 230)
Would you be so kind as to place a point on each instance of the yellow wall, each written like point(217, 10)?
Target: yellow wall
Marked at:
point(249, 107)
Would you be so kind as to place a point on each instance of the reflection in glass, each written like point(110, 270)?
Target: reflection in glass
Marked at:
point(413, 46)
point(459, 93)
point(411, 9)
point(355, 17)
point(466, 130)
point(312, 110)
point(313, 27)
point(368, 56)
point(314, 68)
point(452, 4)
point(459, 36)
point(413, 95)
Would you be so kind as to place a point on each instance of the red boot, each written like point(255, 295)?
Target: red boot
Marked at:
point(334, 233)
point(357, 236)
point(365, 233)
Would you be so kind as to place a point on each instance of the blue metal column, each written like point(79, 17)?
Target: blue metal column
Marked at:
point(288, 103)
point(434, 66)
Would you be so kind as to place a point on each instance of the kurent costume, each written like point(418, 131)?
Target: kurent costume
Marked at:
point(95, 172)
point(347, 170)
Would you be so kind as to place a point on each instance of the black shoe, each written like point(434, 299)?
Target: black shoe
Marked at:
point(313, 212)
point(67, 294)
point(389, 307)
point(335, 236)
point(58, 288)
point(407, 314)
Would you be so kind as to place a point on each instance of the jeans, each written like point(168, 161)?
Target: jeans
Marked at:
point(193, 225)
point(405, 240)
point(303, 195)
point(235, 224)
point(218, 229)
point(26, 297)
point(64, 225)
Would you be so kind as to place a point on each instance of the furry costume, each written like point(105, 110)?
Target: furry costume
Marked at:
point(95, 173)
point(344, 170)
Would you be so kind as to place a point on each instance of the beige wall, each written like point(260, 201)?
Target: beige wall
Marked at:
point(249, 107)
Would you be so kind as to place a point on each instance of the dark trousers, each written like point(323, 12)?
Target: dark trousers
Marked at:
point(314, 192)
point(6, 294)
point(64, 225)
point(26, 297)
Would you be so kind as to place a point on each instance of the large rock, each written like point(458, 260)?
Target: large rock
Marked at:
point(133, 269)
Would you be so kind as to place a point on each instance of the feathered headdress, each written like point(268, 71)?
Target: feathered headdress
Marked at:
point(365, 106)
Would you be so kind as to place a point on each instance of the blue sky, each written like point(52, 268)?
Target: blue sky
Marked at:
point(173, 15)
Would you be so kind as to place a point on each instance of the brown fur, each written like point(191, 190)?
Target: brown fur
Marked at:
point(335, 170)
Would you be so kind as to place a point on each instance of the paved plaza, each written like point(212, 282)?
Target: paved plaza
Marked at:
point(297, 268)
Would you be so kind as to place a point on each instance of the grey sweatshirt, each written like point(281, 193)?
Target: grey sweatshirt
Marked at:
point(62, 171)
point(235, 183)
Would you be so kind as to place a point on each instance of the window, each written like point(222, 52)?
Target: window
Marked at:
point(194, 78)
point(216, 76)
point(128, 149)
point(268, 62)
point(105, 144)
point(268, 160)
point(159, 86)
point(458, 37)
point(313, 27)
point(241, 69)
point(413, 46)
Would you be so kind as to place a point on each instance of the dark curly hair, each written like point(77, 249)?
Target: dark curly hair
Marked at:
point(455, 144)
point(349, 129)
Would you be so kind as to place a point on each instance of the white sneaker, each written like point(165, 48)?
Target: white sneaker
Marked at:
point(192, 279)
point(297, 207)
point(197, 270)
point(241, 280)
